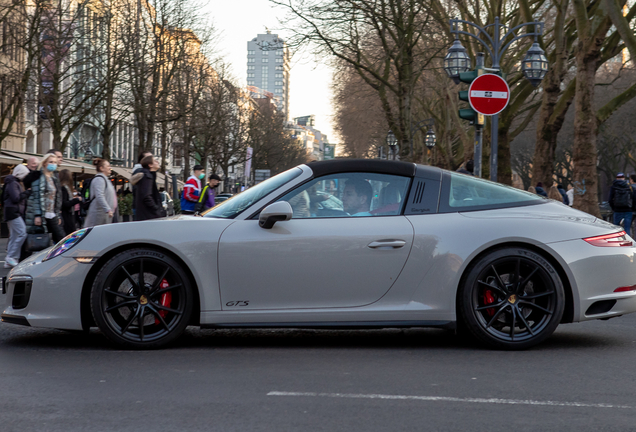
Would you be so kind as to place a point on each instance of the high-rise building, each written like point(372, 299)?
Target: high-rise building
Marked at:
point(268, 68)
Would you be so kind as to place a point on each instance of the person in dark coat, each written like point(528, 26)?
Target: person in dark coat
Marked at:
point(147, 198)
point(540, 191)
point(14, 203)
point(468, 168)
point(621, 202)
point(69, 222)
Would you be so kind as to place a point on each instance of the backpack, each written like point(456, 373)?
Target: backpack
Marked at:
point(86, 194)
point(623, 197)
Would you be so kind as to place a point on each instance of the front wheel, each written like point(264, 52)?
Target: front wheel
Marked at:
point(511, 298)
point(141, 299)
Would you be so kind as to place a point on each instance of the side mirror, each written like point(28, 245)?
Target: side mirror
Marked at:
point(277, 212)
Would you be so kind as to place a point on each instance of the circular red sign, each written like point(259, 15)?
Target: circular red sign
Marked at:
point(488, 94)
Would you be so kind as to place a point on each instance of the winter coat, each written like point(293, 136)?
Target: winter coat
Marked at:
point(36, 203)
point(191, 193)
point(68, 214)
point(147, 199)
point(541, 191)
point(102, 198)
point(619, 185)
point(14, 198)
point(135, 171)
point(206, 200)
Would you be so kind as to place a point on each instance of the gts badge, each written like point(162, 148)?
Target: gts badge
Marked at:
point(237, 303)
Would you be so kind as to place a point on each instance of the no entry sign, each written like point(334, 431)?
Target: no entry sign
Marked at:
point(488, 94)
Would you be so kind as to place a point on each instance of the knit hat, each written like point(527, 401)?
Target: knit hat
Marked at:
point(620, 176)
point(20, 171)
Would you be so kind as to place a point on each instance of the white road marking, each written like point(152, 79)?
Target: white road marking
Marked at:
point(450, 399)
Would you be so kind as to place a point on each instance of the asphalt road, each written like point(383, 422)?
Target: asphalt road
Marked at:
point(581, 379)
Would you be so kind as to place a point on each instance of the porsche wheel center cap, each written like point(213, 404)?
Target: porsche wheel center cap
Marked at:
point(143, 300)
point(512, 299)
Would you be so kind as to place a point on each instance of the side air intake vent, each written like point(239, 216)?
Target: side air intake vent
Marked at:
point(419, 192)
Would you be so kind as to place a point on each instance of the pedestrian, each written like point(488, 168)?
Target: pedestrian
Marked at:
point(137, 169)
point(570, 194)
point(621, 202)
point(192, 190)
point(467, 168)
point(206, 200)
point(540, 191)
point(103, 199)
point(44, 205)
point(14, 202)
point(70, 199)
point(554, 194)
point(148, 200)
point(564, 195)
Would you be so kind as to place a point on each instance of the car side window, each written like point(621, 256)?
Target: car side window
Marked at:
point(349, 195)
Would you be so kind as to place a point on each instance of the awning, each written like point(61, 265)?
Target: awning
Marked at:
point(122, 171)
point(9, 160)
point(73, 165)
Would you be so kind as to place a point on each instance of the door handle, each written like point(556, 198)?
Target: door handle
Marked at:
point(387, 244)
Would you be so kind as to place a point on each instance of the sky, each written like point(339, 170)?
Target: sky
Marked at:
point(239, 21)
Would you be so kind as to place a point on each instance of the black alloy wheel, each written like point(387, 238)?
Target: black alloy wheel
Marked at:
point(511, 298)
point(141, 299)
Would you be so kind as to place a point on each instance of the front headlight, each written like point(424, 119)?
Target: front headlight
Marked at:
point(66, 243)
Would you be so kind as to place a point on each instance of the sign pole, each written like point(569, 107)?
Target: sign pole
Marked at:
point(494, 142)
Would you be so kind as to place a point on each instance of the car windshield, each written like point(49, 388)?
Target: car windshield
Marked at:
point(233, 206)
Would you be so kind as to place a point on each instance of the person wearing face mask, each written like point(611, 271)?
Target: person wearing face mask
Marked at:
point(192, 190)
point(44, 205)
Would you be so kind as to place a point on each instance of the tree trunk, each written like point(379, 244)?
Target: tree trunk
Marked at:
point(585, 130)
point(504, 170)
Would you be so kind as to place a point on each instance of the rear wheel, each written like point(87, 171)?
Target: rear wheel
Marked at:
point(141, 299)
point(511, 298)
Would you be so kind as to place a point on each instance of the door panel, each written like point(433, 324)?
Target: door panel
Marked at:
point(312, 263)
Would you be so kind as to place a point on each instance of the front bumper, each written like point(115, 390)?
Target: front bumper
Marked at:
point(45, 294)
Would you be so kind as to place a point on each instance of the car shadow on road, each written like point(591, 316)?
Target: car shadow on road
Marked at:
point(298, 338)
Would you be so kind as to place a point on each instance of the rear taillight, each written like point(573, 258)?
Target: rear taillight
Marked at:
point(625, 288)
point(610, 240)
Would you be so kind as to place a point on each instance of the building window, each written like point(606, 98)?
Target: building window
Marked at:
point(250, 59)
point(250, 82)
point(278, 83)
point(279, 60)
point(266, 52)
point(250, 52)
point(278, 91)
point(278, 75)
point(250, 75)
point(279, 52)
point(265, 60)
point(279, 68)
point(250, 67)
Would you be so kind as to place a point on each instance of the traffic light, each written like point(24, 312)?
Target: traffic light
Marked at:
point(469, 113)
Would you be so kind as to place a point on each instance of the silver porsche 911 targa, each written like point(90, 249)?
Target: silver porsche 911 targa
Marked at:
point(338, 244)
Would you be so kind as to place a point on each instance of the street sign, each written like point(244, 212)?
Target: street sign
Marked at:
point(488, 94)
point(261, 175)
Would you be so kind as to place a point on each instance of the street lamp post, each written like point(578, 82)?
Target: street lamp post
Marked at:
point(417, 127)
point(534, 66)
point(392, 141)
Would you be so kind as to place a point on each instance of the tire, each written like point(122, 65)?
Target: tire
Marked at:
point(163, 304)
point(511, 298)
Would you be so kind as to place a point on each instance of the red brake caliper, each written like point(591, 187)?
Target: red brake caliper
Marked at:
point(166, 299)
point(489, 299)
